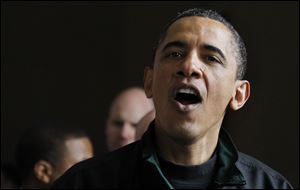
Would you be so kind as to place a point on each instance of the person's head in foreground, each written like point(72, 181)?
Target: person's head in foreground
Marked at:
point(46, 151)
point(198, 70)
point(125, 112)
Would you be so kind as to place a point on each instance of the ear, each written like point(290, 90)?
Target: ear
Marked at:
point(148, 79)
point(240, 95)
point(43, 171)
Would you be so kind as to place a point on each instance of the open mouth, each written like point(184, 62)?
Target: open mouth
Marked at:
point(187, 95)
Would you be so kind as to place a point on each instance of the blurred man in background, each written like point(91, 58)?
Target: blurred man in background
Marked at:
point(45, 152)
point(125, 112)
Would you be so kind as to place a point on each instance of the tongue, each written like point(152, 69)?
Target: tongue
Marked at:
point(185, 102)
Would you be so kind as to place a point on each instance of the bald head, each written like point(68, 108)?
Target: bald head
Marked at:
point(125, 112)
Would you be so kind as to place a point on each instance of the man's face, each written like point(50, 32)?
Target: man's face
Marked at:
point(193, 78)
point(126, 112)
point(120, 129)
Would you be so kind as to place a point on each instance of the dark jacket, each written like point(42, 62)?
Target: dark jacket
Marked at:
point(136, 166)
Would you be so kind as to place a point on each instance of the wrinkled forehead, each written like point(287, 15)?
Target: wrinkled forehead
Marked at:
point(199, 29)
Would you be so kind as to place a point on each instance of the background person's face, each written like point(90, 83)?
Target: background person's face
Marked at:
point(126, 112)
point(190, 62)
point(120, 129)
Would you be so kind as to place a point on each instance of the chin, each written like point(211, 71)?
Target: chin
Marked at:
point(185, 132)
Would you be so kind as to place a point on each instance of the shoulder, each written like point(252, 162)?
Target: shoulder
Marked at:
point(109, 162)
point(260, 174)
point(101, 172)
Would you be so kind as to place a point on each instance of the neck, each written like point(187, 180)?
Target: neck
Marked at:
point(195, 153)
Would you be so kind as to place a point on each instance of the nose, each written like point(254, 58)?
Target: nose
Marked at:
point(128, 132)
point(191, 67)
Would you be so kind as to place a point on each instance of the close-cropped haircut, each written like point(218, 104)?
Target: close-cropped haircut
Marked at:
point(239, 46)
point(44, 142)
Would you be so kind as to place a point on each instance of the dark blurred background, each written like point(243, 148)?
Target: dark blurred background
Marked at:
point(67, 60)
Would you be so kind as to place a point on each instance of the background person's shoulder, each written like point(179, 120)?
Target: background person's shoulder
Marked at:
point(99, 172)
point(86, 174)
point(259, 175)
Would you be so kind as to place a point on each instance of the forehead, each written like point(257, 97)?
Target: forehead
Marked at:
point(130, 107)
point(196, 29)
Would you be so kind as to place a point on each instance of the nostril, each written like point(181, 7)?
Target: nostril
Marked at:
point(195, 74)
point(180, 73)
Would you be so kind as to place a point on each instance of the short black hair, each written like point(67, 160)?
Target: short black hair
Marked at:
point(44, 141)
point(241, 53)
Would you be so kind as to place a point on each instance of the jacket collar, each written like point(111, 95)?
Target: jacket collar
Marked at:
point(227, 155)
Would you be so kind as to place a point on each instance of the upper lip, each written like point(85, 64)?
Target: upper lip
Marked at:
point(187, 86)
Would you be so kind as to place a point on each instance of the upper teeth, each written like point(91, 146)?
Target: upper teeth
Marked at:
point(187, 91)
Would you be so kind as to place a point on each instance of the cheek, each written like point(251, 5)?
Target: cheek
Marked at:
point(221, 93)
point(160, 84)
point(220, 87)
point(111, 131)
point(163, 71)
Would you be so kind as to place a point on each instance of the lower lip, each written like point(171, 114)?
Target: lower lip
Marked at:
point(185, 108)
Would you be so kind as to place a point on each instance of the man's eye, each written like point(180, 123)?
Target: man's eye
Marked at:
point(213, 59)
point(175, 55)
point(118, 124)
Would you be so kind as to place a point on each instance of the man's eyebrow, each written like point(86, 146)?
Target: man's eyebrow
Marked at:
point(214, 49)
point(180, 44)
